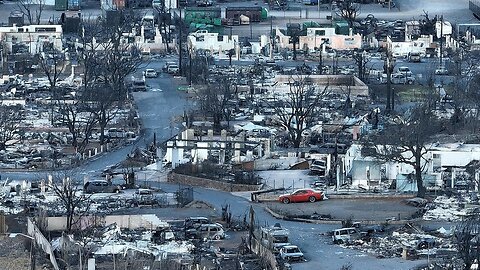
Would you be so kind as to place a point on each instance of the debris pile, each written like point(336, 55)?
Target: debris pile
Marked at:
point(408, 242)
point(446, 208)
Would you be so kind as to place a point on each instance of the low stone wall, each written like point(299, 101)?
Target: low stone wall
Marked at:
point(209, 183)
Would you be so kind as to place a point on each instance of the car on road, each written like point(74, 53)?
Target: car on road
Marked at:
point(173, 69)
point(100, 186)
point(138, 85)
point(277, 58)
point(291, 253)
point(441, 71)
point(150, 73)
point(405, 70)
point(302, 195)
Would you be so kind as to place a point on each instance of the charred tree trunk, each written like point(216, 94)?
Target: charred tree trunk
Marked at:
point(418, 177)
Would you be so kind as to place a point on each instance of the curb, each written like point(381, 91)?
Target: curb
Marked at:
point(336, 221)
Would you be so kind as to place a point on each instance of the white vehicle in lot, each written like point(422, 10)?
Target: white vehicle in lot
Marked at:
point(291, 253)
point(150, 73)
point(345, 235)
point(398, 78)
point(441, 71)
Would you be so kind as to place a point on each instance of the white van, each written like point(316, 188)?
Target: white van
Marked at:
point(345, 235)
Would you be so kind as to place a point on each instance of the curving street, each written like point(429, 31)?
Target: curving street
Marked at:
point(156, 108)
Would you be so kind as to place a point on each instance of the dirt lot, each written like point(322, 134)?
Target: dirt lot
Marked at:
point(340, 209)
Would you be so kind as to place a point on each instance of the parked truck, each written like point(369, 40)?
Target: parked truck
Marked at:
point(274, 237)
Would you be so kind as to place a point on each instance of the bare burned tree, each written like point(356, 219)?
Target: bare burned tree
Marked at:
point(52, 65)
point(465, 94)
point(10, 120)
point(467, 240)
point(361, 60)
point(349, 11)
point(407, 141)
point(198, 68)
point(89, 50)
point(79, 120)
point(427, 25)
point(296, 112)
point(103, 102)
point(32, 10)
point(108, 60)
point(71, 201)
point(213, 100)
point(119, 60)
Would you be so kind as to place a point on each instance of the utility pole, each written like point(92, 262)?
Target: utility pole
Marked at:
point(271, 38)
point(441, 40)
point(190, 68)
point(251, 31)
point(388, 68)
point(320, 58)
point(251, 228)
point(180, 54)
point(318, 4)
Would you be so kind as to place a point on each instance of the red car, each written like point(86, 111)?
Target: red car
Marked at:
point(302, 195)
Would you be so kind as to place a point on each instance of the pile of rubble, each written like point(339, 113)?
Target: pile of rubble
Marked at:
point(30, 200)
point(408, 242)
point(448, 208)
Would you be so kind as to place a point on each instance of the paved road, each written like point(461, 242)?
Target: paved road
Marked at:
point(318, 249)
point(156, 107)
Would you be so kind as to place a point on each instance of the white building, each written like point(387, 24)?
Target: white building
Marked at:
point(213, 42)
point(443, 163)
point(403, 48)
point(35, 37)
point(317, 36)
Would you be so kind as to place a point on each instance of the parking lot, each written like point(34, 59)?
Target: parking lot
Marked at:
point(341, 209)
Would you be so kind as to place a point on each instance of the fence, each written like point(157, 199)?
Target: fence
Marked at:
point(42, 242)
point(147, 221)
point(263, 252)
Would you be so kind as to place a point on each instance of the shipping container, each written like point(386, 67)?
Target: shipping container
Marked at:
point(342, 28)
point(202, 15)
point(264, 14)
